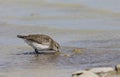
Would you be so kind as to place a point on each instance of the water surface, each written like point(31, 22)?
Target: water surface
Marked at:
point(91, 25)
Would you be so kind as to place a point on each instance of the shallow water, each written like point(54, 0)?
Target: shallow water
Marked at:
point(92, 26)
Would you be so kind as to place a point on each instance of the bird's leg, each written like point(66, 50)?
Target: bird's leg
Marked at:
point(36, 51)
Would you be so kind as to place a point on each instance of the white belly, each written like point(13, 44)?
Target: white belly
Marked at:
point(36, 45)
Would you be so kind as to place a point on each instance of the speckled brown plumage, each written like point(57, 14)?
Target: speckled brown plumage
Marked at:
point(42, 40)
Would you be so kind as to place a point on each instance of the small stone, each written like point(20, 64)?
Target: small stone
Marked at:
point(101, 70)
point(94, 72)
point(78, 72)
point(84, 74)
point(117, 68)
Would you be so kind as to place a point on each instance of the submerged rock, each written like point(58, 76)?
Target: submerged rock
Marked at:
point(77, 50)
point(67, 55)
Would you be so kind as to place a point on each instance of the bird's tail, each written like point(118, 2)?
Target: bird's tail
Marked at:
point(21, 36)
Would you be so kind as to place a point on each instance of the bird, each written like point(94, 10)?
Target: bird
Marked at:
point(40, 42)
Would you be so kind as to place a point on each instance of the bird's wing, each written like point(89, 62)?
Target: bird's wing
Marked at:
point(39, 39)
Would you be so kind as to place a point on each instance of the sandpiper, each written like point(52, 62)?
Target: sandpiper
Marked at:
point(40, 42)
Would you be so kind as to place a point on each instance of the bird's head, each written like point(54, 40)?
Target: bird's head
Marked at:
point(56, 47)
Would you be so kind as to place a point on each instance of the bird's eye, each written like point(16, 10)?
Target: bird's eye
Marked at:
point(57, 47)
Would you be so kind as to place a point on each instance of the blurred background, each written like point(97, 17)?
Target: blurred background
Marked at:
point(78, 19)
